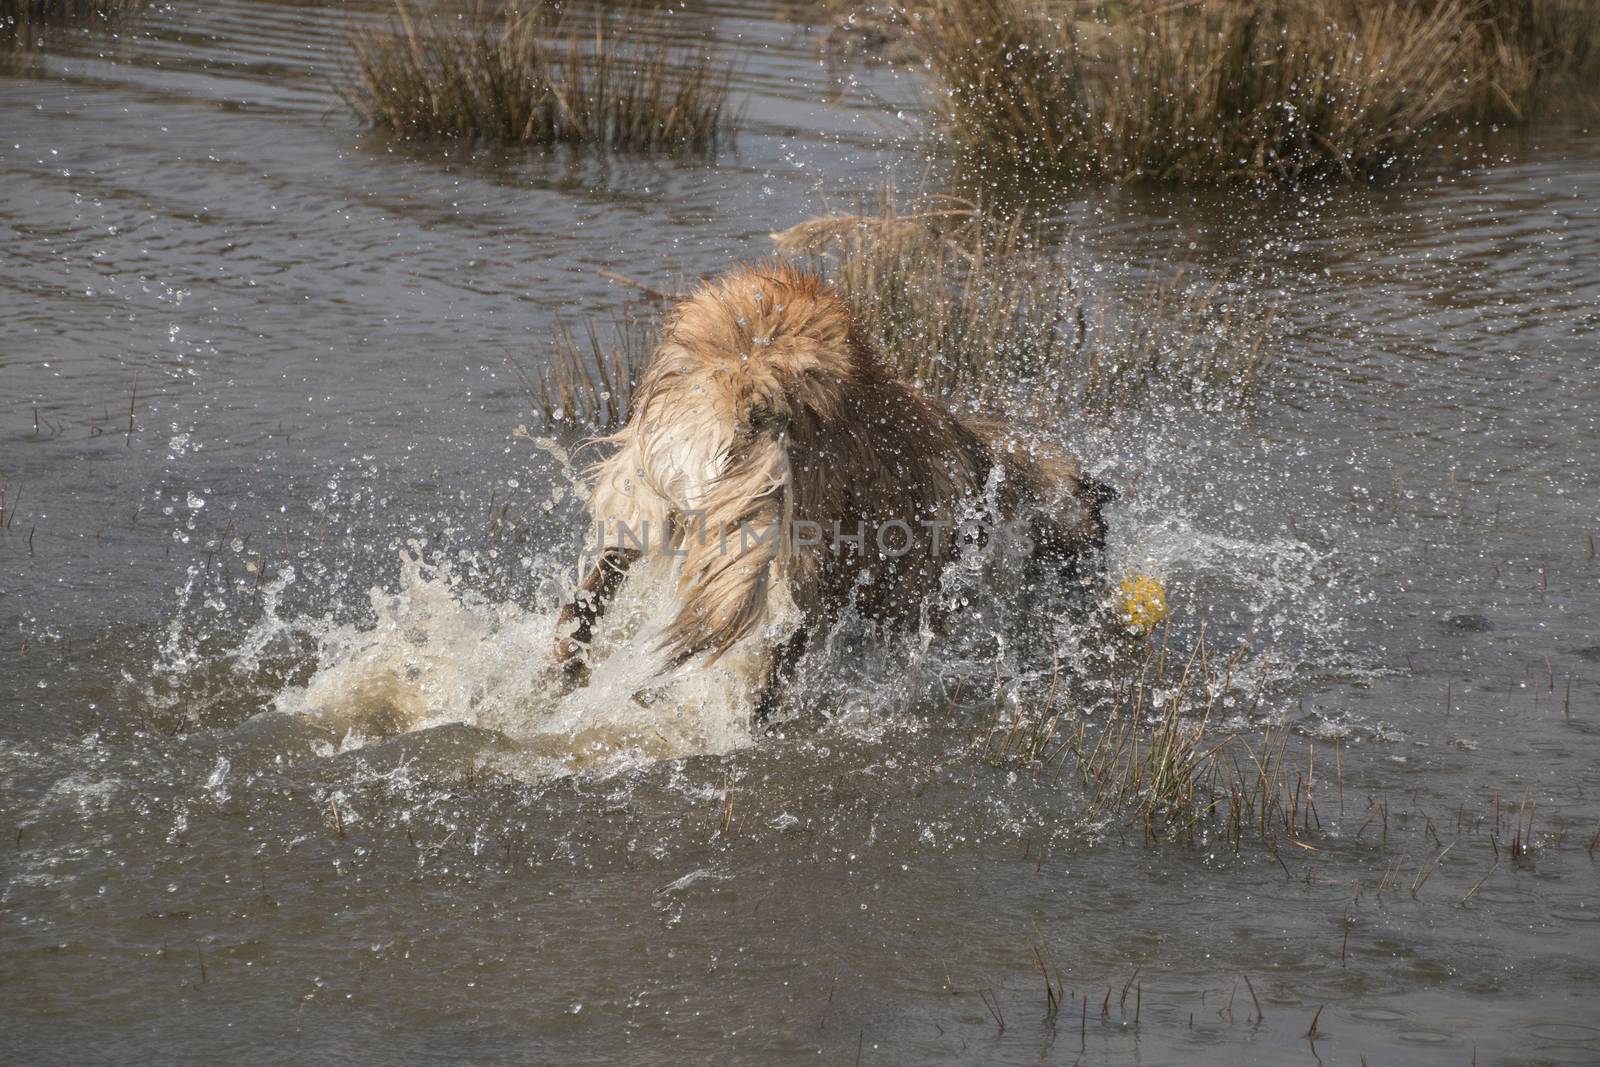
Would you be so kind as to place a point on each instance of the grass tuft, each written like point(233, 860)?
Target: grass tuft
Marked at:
point(587, 383)
point(1540, 54)
point(1151, 757)
point(972, 310)
point(1215, 90)
point(532, 72)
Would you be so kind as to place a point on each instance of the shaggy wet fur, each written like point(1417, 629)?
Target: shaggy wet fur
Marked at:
point(764, 437)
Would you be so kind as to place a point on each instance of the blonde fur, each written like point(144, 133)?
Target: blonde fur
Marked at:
point(763, 411)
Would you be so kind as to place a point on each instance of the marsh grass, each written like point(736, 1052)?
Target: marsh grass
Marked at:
point(589, 378)
point(25, 23)
point(1204, 342)
point(1165, 753)
point(535, 72)
point(1277, 90)
point(974, 308)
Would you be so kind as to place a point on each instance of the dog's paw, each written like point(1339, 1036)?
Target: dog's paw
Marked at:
point(569, 666)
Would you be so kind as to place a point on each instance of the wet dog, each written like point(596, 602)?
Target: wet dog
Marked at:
point(794, 477)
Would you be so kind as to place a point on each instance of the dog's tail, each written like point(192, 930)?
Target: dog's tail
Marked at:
point(741, 540)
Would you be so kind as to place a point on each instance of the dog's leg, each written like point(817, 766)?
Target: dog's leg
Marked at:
point(587, 606)
point(778, 663)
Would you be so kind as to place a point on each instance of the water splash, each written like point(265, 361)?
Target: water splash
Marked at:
point(439, 653)
point(447, 641)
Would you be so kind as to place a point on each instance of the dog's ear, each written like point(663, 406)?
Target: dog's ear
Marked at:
point(764, 419)
point(1094, 492)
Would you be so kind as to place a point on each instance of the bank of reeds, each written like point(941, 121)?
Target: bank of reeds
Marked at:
point(1158, 754)
point(1213, 90)
point(535, 72)
point(1538, 54)
point(24, 23)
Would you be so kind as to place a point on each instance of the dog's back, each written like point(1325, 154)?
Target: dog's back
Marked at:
point(767, 444)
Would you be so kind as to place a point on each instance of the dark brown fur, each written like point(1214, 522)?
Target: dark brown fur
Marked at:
point(763, 407)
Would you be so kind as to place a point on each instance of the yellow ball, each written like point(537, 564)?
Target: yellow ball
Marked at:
point(1142, 602)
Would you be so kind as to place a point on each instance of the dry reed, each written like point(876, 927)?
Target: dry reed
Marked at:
point(970, 308)
point(532, 72)
point(1233, 89)
point(1539, 53)
point(946, 295)
point(972, 311)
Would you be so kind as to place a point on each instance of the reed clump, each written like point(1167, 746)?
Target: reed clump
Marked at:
point(533, 72)
point(24, 23)
point(1215, 90)
point(973, 308)
point(1162, 752)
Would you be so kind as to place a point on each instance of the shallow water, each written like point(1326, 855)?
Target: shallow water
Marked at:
point(284, 780)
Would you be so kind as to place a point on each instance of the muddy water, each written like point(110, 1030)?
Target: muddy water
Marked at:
point(282, 779)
